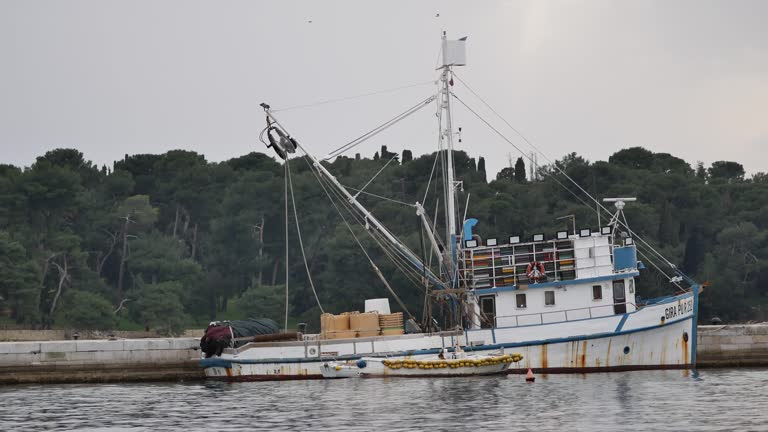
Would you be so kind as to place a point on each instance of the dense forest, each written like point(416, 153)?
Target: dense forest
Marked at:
point(171, 241)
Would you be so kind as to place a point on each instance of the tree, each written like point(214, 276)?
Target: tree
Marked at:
point(633, 157)
point(19, 278)
point(135, 215)
point(264, 301)
point(701, 172)
point(85, 310)
point(725, 170)
point(481, 170)
point(506, 173)
point(170, 240)
point(160, 307)
point(407, 156)
point(520, 170)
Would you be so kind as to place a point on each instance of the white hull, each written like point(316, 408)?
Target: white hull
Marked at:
point(637, 340)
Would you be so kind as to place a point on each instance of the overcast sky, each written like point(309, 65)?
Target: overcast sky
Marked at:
point(114, 77)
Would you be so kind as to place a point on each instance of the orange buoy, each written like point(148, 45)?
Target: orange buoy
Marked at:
point(529, 376)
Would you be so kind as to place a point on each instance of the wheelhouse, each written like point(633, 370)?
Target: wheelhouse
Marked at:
point(565, 278)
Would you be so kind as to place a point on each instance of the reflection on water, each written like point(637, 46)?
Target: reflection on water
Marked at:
point(639, 401)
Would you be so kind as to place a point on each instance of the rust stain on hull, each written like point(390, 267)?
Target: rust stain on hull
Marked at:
point(544, 360)
point(608, 354)
point(583, 356)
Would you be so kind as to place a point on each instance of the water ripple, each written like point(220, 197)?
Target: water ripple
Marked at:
point(713, 400)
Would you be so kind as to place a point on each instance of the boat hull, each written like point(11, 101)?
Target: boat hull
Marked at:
point(634, 341)
point(336, 370)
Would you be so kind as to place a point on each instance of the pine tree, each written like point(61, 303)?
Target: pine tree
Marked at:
point(520, 170)
point(481, 169)
point(407, 156)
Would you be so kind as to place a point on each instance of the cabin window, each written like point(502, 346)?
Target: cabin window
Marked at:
point(631, 286)
point(549, 298)
point(597, 292)
point(521, 302)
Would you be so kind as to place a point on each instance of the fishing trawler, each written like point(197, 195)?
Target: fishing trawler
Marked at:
point(565, 301)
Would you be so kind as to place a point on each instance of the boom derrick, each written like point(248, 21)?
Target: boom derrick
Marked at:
point(403, 250)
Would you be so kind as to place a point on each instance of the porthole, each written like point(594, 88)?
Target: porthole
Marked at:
point(626, 350)
point(312, 351)
point(685, 336)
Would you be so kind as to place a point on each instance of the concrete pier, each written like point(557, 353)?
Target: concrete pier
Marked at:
point(174, 359)
point(99, 360)
point(738, 345)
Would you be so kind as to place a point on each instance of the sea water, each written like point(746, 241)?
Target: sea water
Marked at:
point(707, 400)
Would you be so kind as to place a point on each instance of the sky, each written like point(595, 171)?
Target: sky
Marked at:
point(111, 78)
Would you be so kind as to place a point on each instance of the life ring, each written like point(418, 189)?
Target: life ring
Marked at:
point(535, 271)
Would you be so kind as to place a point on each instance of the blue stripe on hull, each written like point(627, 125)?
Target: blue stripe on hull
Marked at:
point(621, 323)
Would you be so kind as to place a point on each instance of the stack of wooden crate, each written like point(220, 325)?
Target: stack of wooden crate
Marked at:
point(391, 324)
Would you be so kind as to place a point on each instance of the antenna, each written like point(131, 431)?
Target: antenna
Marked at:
point(619, 203)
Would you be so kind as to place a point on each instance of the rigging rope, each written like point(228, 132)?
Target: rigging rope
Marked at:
point(378, 129)
point(286, 245)
point(357, 240)
point(379, 196)
point(600, 205)
point(376, 175)
point(346, 98)
point(301, 242)
point(643, 243)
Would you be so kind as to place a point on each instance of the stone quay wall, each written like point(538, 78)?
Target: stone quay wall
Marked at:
point(99, 360)
point(736, 345)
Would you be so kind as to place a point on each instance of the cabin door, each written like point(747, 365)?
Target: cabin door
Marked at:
point(619, 298)
point(488, 311)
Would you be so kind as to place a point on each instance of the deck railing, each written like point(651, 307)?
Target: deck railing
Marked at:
point(491, 266)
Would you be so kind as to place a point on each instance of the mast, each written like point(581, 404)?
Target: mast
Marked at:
point(453, 55)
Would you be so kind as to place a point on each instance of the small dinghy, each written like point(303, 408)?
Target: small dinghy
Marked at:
point(438, 366)
point(341, 369)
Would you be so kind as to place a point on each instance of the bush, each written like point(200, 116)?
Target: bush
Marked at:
point(86, 310)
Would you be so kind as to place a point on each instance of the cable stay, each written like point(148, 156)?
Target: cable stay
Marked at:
point(348, 98)
point(643, 243)
point(378, 129)
point(376, 175)
point(378, 196)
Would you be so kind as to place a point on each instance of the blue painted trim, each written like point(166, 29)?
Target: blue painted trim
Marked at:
point(483, 291)
point(505, 288)
point(621, 323)
point(571, 338)
point(218, 362)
